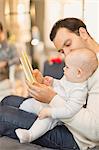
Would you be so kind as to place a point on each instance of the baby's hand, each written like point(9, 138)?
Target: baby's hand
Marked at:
point(48, 80)
point(38, 75)
point(44, 113)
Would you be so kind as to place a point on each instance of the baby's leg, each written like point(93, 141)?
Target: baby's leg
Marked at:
point(33, 106)
point(39, 128)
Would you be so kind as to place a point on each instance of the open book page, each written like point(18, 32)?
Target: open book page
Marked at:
point(27, 67)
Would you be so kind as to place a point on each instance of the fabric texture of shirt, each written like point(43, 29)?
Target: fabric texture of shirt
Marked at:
point(70, 98)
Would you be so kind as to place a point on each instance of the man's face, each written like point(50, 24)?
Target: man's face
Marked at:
point(0, 35)
point(67, 41)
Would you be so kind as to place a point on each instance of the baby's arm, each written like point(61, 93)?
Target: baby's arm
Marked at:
point(60, 108)
point(44, 113)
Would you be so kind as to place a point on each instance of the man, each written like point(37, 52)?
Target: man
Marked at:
point(67, 35)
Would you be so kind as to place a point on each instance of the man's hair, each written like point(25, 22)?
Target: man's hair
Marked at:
point(1, 27)
point(72, 24)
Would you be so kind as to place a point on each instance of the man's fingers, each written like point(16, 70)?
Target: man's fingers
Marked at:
point(33, 94)
point(33, 84)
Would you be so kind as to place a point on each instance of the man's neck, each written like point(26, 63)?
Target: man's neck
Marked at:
point(93, 45)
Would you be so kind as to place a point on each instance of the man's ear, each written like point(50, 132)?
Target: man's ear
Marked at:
point(83, 33)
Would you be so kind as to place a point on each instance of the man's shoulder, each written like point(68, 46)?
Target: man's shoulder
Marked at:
point(93, 81)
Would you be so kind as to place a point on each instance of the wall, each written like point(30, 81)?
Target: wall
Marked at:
point(2, 19)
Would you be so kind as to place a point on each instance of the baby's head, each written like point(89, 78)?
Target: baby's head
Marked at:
point(80, 65)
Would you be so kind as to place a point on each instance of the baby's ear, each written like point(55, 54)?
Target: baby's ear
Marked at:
point(79, 72)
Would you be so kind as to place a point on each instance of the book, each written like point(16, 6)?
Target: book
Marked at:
point(27, 67)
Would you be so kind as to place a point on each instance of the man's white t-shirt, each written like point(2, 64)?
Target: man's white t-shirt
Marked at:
point(85, 124)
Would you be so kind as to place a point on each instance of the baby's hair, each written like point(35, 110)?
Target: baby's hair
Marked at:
point(86, 59)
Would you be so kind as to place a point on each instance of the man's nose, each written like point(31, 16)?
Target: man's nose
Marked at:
point(61, 50)
point(66, 52)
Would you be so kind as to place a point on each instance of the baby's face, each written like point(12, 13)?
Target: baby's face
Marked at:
point(80, 64)
point(70, 70)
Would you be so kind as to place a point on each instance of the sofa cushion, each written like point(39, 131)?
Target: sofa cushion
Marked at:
point(7, 143)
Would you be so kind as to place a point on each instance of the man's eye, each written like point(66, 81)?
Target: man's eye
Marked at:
point(67, 45)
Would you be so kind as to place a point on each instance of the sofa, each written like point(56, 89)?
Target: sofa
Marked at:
point(7, 143)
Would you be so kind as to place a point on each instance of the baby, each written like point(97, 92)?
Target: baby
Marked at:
point(71, 95)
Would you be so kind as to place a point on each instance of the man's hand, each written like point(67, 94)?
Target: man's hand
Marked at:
point(44, 113)
point(41, 92)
